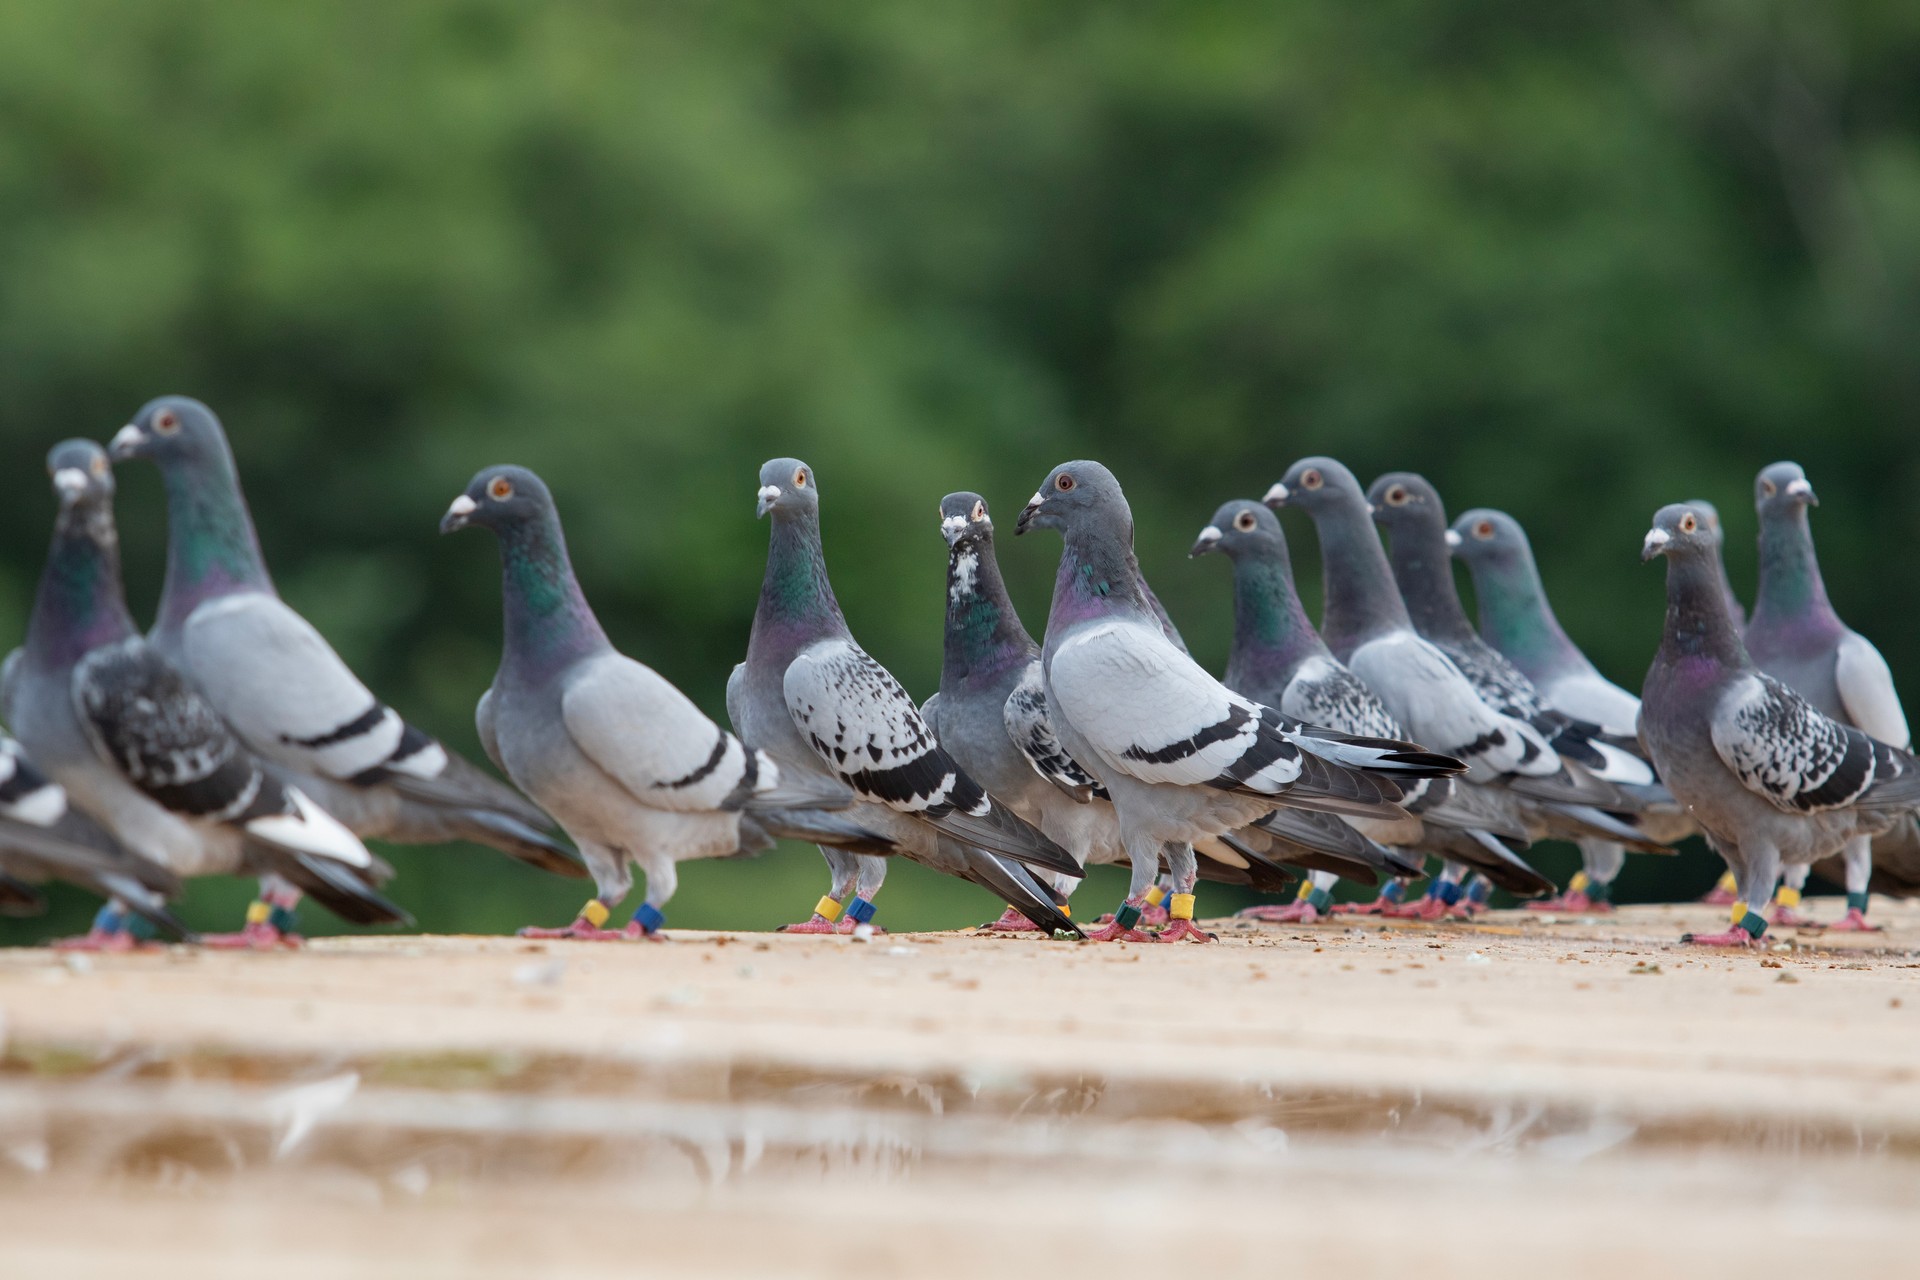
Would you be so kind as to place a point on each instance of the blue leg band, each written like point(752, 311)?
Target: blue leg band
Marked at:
point(860, 910)
point(1479, 890)
point(1394, 890)
point(1447, 892)
point(107, 920)
point(649, 917)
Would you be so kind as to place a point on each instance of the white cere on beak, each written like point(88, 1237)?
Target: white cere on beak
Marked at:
point(1799, 489)
point(1037, 498)
point(953, 526)
point(1656, 539)
point(1276, 494)
point(70, 481)
point(1210, 534)
point(1454, 539)
point(768, 492)
point(127, 437)
point(462, 506)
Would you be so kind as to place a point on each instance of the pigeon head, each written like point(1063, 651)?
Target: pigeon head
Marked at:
point(1077, 495)
point(1711, 514)
point(502, 499)
point(171, 431)
point(1315, 485)
point(1680, 530)
point(1782, 489)
point(1484, 537)
point(81, 474)
point(964, 521)
point(1402, 500)
point(1241, 527)
point(787, 488)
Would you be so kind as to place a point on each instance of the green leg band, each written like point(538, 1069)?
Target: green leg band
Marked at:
point(1856, 902)
point(1127, 916)
point(1600, 891)
point(1753, 924)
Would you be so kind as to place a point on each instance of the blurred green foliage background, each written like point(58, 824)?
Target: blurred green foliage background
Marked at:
point(1573, 260)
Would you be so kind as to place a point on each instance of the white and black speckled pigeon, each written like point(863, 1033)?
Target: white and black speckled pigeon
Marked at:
point(1795, 636)
point(279, 684)
point(110, 719)
point(44, 838)
point(1517, 620)
point(1277, 658)
point(631, 769)
point(1183, 757)
point(819, 705)
point(1770, 780)
point(991, 715)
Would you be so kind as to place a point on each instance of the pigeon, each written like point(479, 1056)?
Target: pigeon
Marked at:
point(991, 715)
point(1517, 620)
point(281, 688)
point(1770, 779)
point(820, 706)
point(1367, 626)
point(1278, 659)
point(43, 838)
point(135, 746)
point(1795, 636)
point(1183, 757)
point(632, 770)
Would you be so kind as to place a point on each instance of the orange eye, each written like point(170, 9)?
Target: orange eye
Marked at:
point(1484, 529)
point(1311, 480)
point(1397, 496)
point(1244, 522)
point(1063, 482)
point(1768, 488)
point(166, 422)
point(979, 511)
point(1688, 524)
point(99, 465)
point(501, 489)
point(800, 478)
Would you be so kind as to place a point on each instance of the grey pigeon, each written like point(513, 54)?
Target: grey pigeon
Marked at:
point(821, 707)
point(1770, 779)
point(1795, 636)
point(1517, 620)
point(1277, 658)
point(135, 746)
point(279, 685)
point(1183, 757)
point(991, 715)
point(1711, 514)
point(44, 838)
point(631, 769)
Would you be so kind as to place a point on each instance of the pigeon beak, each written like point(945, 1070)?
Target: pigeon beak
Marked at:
point(1802, 490)
point(769, 494)
point(1656, 544)
point(125, 441)
point(69, 483)
point(1276, 497)
point(1454, 539)
point(458, 512)
point(952, 527)
point(1028, 512)
point(1209, 539)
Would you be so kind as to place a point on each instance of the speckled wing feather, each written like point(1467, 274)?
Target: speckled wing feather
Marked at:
point(1031, 729)
point(1781, 748)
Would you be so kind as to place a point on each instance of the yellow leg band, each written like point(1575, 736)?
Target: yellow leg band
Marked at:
point(1739, 911)
point(258, 912)
point(1181, 906)
point(1579, 882)
point(1786, 896)
point(827, 909)
point(1728, 883)
point(1304, 892)
point(1066, 909)
point(595, 913)
point(1155, 896)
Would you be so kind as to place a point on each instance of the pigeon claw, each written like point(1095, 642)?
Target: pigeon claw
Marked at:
point(1292, 913)
point(1120, 933)
point(115, 940)
point(1734, 937)
point(819, 924)
point(1424, 909)
point(1572, 903)
point(1377, 907)
point(1183, 931)
point(259, 936)
point(1788, 918)
point(582, 931)
point(1855, 921)
point(1012, 921)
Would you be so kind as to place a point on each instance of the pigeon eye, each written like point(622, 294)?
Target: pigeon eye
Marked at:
point(1483, 530)
point(501, 489)
point(166, 422)
point(98, 466)
point(1768, 488)
point(1310, 480)
point(1397, 496)
point(1244, 522)
point(1688, 524)
point(1063, 482)
point(800, 478)
point(979, 511)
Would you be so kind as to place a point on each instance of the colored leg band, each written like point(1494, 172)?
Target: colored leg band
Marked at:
point(649, 917)
point(1752, 922)
point(1156, 895)
point(1579, 882)
point(107, 920)
point(1304, 892)
point(1728, 883)
point(1447, 891)
point(283, 919)
point(1480, 889)
point(1599, 891)
point(1856, 902)
point(1394, 891)
point(259, 912)
point(1181, 906)
point(827, 909)
point(1320, 899)
point(1127, 916)
point(860, 910)
point(1066, 909)
point(138, 927)
point(595, 913)
point(1786, 896)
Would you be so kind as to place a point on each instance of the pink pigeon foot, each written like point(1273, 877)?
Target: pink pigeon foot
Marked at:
point(1734, 937)
point(848, 925)
point(1788, 918)
point(1717, 897)
point(1424, 909)
point(1116, 932)
point(254, 937)
point(1855, 921)
point(581, 931)
point(819, 924)
point(1379, 906)
point(1012, 921)
point(1183, 931)
point(115, 940)
point(1301, 912)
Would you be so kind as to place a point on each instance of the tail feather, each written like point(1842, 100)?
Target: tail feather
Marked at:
point(334, 886)
point(1018, 888)
point(1572, 821)
point(1487, 855)
point(511, 836)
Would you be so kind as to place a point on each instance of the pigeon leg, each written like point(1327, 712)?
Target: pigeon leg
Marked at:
point(1144, 859)
point(1756, 878)
point(114, 929)
point(1186, 874)
point(1786, 900)
point(1012, 921)
point(1312, 901)
point(1859, 856)
point(826, 912)
point(1392, 894)
point(872, 872)
point(588, 926)
point(1442, 893)
point(271, 924)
